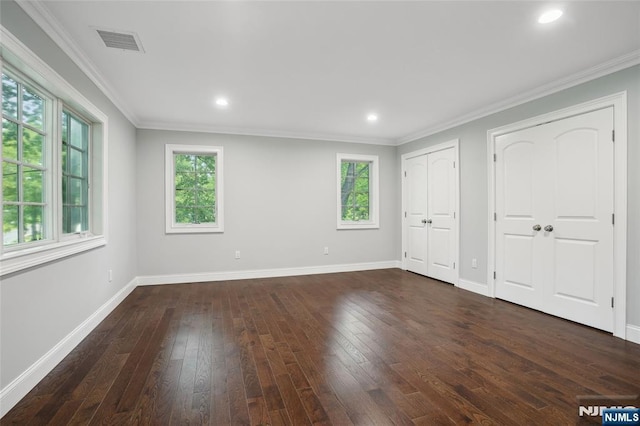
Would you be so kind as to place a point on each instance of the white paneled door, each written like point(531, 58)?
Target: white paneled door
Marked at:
point(554, 218)
point(431, 194)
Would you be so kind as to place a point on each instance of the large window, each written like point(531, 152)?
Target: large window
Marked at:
point(357, 191)
point(193, 189)
point(53, 164)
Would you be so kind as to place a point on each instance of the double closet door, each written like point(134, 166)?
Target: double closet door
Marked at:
point(430, 214)
point(554, 218)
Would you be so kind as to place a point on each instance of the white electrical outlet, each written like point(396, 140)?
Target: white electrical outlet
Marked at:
point(326, 250)
point(110, 275)
point(474, 263)
point(237, 254)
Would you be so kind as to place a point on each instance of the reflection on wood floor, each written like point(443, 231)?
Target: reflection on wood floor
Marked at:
point(367, 348)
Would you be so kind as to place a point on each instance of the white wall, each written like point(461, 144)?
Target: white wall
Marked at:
point(279, 207)
point(473, 172)
point(39, 307)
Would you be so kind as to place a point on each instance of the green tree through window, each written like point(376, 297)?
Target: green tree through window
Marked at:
point(24, 171)
point(195, 188)
point(75, 174)
point(355, 191)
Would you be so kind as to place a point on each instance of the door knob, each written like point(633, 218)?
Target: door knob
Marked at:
point(548, 228)
point(424, 220)
point(429, 221)
point(537, 227)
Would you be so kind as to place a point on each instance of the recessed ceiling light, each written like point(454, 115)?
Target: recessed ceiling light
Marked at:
point(223, 102)
point(372, 117)
point(550, 16)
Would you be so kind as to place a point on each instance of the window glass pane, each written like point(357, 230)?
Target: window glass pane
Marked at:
point(185, 181)
point(79, 134)
point(33, 185)
point(206, 164)
point(9, 97)
point(75, 193)
point(9, 225)
point(9, 140)
point(185, 215)
point(33, 225)
point(9, 182)
point(75, 219)
point(185, 198)
point(206, 198)
point(185, 163)
point(76, 162)
point(32, 147)
point(32, 109)
point(205, 215)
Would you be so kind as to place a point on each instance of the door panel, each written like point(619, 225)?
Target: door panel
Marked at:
point(416, 187)
point(560, 176)
point(441, 196)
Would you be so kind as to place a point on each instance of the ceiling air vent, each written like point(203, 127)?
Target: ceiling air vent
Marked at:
point(121, 40)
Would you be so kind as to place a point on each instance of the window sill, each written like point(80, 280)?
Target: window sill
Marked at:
point(368, 225)
point(12, 262)
point(194, 229)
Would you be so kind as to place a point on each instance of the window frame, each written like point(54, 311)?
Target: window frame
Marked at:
point(21, 62)
point(171, 226)
point(374, 191)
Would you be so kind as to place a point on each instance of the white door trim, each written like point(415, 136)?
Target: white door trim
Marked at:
point(439, 147)
point(619, 103)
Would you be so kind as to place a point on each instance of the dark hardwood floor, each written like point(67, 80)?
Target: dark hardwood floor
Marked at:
point(367, 348)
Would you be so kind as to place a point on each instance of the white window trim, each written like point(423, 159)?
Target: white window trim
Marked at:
point(374, 191)
point(171, 227)
point(21, 58)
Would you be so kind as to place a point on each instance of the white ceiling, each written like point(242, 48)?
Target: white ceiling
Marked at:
point(316, 69)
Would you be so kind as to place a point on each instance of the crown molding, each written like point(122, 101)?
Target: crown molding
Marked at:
point(43, 17)
point(609, 67)
point(191, 127)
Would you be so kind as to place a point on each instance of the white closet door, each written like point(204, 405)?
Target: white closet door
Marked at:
point(416, 220)
point(558, 176)
point(431, 194)
point(441, 204)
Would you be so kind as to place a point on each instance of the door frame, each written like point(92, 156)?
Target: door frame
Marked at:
point(454, 143)
point(619, 103)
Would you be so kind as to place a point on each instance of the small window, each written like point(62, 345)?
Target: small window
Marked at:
point(193, 189)
point(357, 191)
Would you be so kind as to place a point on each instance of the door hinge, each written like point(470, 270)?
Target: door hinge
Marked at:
point(405, 214)
point(405, 174)
point(454, 215)
point(454, 164)
point(495, 216)
point(454, 265)
point(613, 218)
point(495, 157)
point(612, 302)
point(405, 254)
point(613, 136)
point(494, 275)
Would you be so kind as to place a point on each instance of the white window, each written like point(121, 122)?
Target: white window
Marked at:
point(357, 177)
point(193, 189)
point(52, 164)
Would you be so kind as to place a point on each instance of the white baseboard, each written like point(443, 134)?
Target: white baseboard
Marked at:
point(473, 286)
point(18, 388)
point(263, 273)
point(633, 333)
